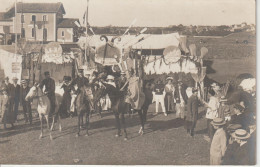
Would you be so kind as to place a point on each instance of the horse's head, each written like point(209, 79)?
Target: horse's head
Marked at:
point(33, 92)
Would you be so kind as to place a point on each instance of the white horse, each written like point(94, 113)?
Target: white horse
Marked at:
point(43, 107)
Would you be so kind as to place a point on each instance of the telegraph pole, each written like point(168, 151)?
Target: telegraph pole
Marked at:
point(86, 25)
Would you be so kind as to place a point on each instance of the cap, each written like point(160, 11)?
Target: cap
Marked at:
point(110, 77)
point(46, 73)
point(122, 73)
point(223, 99)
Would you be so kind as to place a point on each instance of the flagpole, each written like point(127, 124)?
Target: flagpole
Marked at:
point(86, 24)
point(15, 28)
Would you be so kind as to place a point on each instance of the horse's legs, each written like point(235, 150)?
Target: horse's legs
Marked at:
point(48, 127)
point(59, 122)
point(87, 122)
point(53, 122)
point(79, 119)
point(117, 123)
point(123, 124)
point(40, 116)
point(141, 116)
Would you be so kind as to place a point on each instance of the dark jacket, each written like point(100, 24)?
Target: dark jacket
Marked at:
point(192, 109)
point(23, 93)
point(49, 84)
point(80, 81)
point(183, 94)
point(158, 89)
point(15, 92)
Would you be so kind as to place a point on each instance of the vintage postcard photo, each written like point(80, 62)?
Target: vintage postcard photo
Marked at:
point(128, 82)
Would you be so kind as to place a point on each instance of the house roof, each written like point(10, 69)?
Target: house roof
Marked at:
point(67, 23)
point(36, 8)
point(3, 17)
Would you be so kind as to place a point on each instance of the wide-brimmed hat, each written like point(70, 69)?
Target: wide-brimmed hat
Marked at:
point(218, 121)
point(233, 127)
point(223, 99)
point(240, 134)
point(169, 78)
point(110, 77)
point(15, 78)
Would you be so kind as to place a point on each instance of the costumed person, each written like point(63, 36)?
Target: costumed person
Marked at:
point(66, 98)
point(75, 85)
point(26, 104)
point(159, 94)
point(15, 97)
point(224, 109)
point(7, 115)
point(181, 98)
point(97, 103)
point(169, 89)
point(192, 112)
point(219, 142)
point(123, 85)
point(49, 84)
point(212, 112)
point(239, 151)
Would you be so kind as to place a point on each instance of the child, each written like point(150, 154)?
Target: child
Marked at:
point(219, 142)
point(7, 115)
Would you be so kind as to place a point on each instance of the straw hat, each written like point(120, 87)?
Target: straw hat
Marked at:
point(110, 77)
point(169, 78)
point(240, 134)
point(218, 121)
point(223, 99)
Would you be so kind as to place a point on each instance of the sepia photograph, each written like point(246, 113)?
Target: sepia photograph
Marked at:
point(128, 82)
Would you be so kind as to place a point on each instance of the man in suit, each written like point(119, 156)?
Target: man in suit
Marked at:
point(49, 84)
point(192, 114)
point(159, 94)
point(14, 97)
point(181, 99)
point(26, 104)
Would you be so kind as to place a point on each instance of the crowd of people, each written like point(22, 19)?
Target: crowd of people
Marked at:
point(229, 127)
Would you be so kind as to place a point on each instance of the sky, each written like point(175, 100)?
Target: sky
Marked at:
point(156, 13)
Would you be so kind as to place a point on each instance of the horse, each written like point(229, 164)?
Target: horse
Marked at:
point(82, 106)
point(43, 108)
point(118, 105)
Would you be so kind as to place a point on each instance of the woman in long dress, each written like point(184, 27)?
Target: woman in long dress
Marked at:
point(6, 114)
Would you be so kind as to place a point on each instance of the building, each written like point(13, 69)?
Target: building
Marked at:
point(38, 22)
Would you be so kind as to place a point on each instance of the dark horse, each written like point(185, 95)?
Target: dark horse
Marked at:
point(82, 107)
point(118, 105)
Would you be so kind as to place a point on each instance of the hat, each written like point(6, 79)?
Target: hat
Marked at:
point(240, 134)
point(194, 90)
point(80, 70)
point(110, 77)
point(218, 121)
point(67, 78)
point(46, 73)
point(169, 78)
point(15, 78)
point(23, 81)
point(6, 78)
point(223, 99)
point(234, 127)
point(239, 107)
point(4, 89)
point(213, 84)
point(122, 73)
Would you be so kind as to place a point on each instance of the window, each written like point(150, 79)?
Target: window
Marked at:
point(44, 18)
point(33, 32)
point(22, 18)
point(33, 18)
point(62, 33)
point(23, 33)
point(45, 34)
